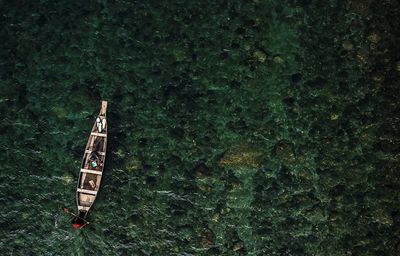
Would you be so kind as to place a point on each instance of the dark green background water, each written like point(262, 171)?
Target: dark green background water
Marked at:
point(236, 127)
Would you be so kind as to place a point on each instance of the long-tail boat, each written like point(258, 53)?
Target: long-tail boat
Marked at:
point(91, 168)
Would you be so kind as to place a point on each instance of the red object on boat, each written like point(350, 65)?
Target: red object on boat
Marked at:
point(78, 225)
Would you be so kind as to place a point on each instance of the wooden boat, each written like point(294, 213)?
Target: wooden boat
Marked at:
point(91, 168)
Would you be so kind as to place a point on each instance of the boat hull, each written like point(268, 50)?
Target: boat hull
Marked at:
point(92, 166)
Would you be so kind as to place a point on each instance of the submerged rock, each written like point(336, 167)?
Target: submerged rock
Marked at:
point(383, 217)
point(67, 179)
point(60, 112)
point(378, 77)
point(201, 171)
point(120, 153)
point(334, 116)
point(242, 155)
point(374, 37)
point(133, 164)
point(360, 7)
point(207, 238)
point(260, 56)
point(237, 246)
point(215, 217)
point(362, 57)
point(278, 59)
point(347, 45)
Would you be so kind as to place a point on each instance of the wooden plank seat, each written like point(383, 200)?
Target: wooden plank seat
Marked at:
point(92, 171)
point(98, 134)
point(86, 191)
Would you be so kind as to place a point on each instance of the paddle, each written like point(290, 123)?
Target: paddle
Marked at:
point(66, 210)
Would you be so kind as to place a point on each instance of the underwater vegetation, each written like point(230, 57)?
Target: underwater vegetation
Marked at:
point(235, 127)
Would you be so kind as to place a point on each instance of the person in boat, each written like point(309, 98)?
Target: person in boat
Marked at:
point(100, 124)
point(94, 158)
point(79, 221)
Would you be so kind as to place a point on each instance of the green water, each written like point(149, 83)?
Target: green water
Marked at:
point(235, 127)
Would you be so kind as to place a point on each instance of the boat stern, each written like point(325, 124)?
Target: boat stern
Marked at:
point(79, 221)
